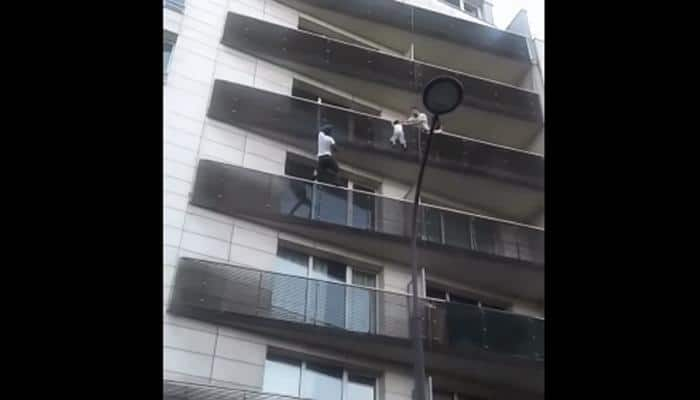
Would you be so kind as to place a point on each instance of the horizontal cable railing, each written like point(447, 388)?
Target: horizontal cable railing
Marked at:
point(175, 5)
point(231, 189)
point(177, 390)
point(295, 118)
point(214, 291)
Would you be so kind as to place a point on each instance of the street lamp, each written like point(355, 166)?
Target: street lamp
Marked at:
point(441, 96)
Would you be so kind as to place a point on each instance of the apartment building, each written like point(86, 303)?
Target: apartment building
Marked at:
point(277, 286)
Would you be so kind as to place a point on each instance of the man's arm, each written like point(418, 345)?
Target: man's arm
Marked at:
point(334, 148)
point(411, 121)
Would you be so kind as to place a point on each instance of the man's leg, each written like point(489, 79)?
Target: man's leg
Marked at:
point(333, 165)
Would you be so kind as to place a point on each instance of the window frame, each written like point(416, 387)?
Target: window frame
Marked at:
point(303, 364)
point(488, 305)
point(350, 268)
point(351, 180)
point(169, 39)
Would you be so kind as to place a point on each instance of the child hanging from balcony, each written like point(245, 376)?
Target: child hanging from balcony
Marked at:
point(327, 168)
point(398, 134)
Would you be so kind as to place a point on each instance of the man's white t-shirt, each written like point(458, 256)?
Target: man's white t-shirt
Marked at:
point(423, 120)
point(324, 144)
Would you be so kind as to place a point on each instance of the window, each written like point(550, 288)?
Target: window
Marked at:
point(437, 292)
point(175, 5)
point(282, 376)
point(447, 395)
point(471, 10)
point(355, 207)
point(315, 381)
point(169, 40)
point(321, 382)
point(326, 299)
point(465, 6)
point(360, 387)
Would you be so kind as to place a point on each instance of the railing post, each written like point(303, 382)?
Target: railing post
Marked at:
point(306, 300)
point(257, 306)
point(316, 303)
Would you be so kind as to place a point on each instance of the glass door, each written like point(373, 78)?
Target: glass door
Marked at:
point(288, 293)
point(363, 206)
point(362, 303)
point(327, 298)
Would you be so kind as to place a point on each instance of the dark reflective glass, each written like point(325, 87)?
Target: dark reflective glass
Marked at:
point(299, 167)
point(463, 300)
point(464, 325)
point(340, 119)
point(457, 231)
point(436, 293)
point(295, 199)
point(363, 205)
point(331, 205)
point(432, 225)
point(508, 333)
point(538, 338)
point(483, 234)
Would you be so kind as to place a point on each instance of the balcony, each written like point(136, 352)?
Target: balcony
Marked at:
point(175, 5)
point(174, 390)
point(506, 258)
point(484, 50)
point(490, 111)
point(459, 339)
point(464, 170)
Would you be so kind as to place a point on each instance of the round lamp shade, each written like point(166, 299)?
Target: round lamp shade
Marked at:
point(442, 95)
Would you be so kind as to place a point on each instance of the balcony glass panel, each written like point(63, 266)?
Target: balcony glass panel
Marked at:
point(508, 333)
point(291, 46)
point(297, 121)
point(363, 208)
point(331, 205)
point(464, 325)
point(234, 190)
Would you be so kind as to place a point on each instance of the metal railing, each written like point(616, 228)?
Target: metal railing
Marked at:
point(297, 119)
point(175, 5)
point(216, 292)
point(177, 390)
point(234, 190)
point(271, 41)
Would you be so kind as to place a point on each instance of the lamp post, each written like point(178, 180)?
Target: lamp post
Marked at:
point(441, 96)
